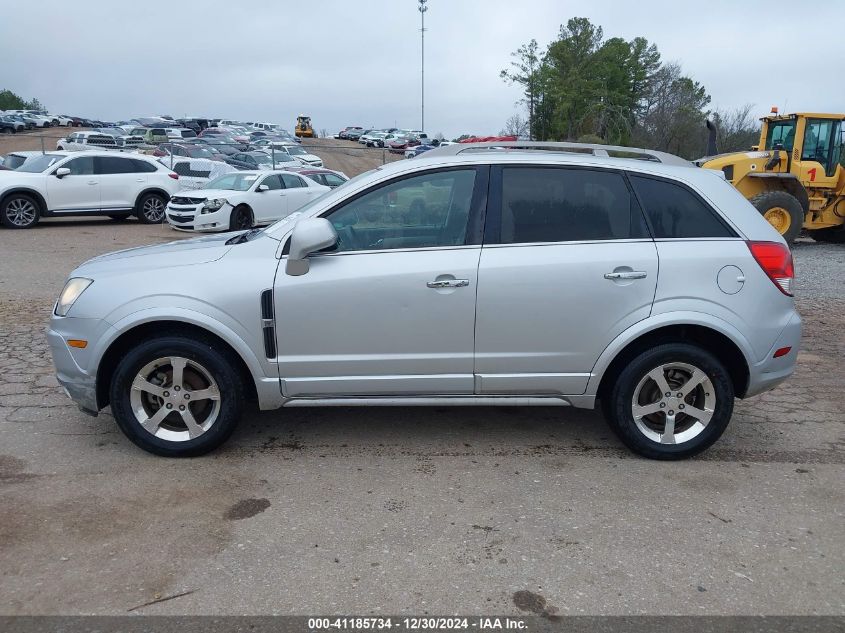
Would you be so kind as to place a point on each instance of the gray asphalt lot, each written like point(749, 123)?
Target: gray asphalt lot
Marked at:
point(413, 510)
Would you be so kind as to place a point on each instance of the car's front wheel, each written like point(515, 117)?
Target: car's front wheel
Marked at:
point(150, 208)
point(241, 218)
point(670, 402)
point(177, 396)
point(19, 211)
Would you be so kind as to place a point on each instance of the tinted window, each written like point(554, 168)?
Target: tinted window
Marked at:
point(675, 211)
point(291, 181)
point(83, 166)
point(331, 180)
point(424, 211)
point(552, 204)
point(113, 165)
point(142, 166)
point(272, 182)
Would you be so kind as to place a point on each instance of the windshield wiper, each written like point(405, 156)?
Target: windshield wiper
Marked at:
point(243, 237)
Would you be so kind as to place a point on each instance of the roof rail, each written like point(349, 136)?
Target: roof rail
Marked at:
point(590, 149)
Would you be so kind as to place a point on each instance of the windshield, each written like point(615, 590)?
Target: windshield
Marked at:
point(233, 182)
point(41, 163)
point(295, 151)
point(200, 152)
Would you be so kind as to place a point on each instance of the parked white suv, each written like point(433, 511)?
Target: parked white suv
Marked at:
point(469, 276)
point(85, 183)
point(241, 200)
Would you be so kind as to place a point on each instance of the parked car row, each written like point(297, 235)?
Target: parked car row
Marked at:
point(396, 140)
point(120, 184)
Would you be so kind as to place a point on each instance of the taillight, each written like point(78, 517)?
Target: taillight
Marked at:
point(776, 261)
point(174, 176)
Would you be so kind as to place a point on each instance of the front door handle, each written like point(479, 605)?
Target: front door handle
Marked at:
point(448, 283)
point(629, 274)
point(92, 182)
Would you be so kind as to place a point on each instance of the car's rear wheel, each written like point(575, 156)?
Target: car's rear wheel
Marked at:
point(670, 402)
point(177, 396)
point(150, 208)
point(19, 211)
point(241, 218)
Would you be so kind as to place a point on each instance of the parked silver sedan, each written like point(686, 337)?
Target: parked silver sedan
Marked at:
point(472, 276)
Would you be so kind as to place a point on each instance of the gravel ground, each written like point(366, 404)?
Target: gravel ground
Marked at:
point(413, 510)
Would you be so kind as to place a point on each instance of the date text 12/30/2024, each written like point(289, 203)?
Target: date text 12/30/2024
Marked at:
point(417, 624)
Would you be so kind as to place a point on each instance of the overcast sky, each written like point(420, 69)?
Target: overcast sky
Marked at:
point(358, 62)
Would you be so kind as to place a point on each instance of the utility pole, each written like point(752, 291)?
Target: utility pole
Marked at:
point(422, 9)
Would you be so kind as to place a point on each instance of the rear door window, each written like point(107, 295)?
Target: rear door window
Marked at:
point(113, 165)
point(559, 204)
point(291, 181)
point(674, 211)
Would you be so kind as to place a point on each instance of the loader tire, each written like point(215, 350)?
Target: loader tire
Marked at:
point(783, 211)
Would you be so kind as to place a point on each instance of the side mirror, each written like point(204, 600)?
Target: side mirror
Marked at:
point(309, 236)
point(61, 172)
point(263, 188)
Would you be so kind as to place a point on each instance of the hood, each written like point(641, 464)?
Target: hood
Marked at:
point(207, 193)
point(180, 253)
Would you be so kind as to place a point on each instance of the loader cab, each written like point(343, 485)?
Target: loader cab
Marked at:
point(808, 138)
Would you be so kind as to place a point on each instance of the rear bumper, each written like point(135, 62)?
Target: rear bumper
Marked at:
point(772, 371)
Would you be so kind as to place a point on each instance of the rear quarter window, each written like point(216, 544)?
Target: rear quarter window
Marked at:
point(674, 211)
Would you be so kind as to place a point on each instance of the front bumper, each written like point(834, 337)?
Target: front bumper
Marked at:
point(770, 372)
point(189, 218)
point(80, 386)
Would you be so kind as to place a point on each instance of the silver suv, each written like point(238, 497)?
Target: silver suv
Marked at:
point(473, 276)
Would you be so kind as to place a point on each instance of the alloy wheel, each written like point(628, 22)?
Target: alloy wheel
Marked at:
point(153, 209)
point(175, 398)
point(20, 212)
point(673, 403)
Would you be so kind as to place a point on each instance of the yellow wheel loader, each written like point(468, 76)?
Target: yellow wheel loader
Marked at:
point(795, 176)
point(303, 126)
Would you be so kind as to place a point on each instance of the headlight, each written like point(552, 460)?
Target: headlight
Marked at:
point(212, 205)
point(73, 288)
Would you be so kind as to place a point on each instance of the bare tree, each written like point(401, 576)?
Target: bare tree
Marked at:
point(735, 129)
point(439, 136)
point(515, 126)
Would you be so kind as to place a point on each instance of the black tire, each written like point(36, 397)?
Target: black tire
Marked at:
point(241, 218)
point(19, 211)
point(790, 226)
point(147, 208)
point(832, 235)
point(618, 403)
point(219, 364)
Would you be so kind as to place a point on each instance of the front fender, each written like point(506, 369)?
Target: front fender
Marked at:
point(243, 341)
point(656, 322)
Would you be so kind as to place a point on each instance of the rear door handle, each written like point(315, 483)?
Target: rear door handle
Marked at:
point(92, 182)
point(448, 283)
point(632, 274)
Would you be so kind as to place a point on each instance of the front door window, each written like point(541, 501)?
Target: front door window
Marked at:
point(424, 211)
